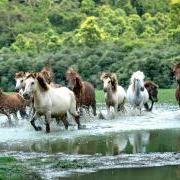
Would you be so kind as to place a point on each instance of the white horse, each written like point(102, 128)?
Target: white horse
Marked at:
point(115, 95)
point(19, 78)
point(137, 94)
point(50, 101)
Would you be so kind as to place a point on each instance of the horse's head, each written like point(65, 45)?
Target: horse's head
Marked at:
point(30, 84)
point(176, 71)
point(152, 89)
point(48, 74)
point(19, 78)
point(137, 80)
point(73, 78)
point(110, 81)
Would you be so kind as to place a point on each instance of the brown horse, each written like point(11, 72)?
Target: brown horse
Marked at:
point(152, 89)
point(176, 71)
point(48, 75)
point(83, 90)
point(11, 104)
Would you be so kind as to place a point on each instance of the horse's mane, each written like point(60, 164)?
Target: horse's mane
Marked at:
point(176, 66)
point(48, 74)
point(33, 75)
point(42, 82)
point(113, 78)
point(19, 74)
point(150, 84)
point(137, 75)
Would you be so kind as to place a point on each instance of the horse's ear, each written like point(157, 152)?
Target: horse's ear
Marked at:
point(42, 82)
point(102, 76)
point(114, 76)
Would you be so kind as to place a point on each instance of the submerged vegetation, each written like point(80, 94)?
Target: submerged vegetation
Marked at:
point(121, 36)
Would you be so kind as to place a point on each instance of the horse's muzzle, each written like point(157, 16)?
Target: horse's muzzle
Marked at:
point(17, 89)
point(26, 96)
point(105, 89)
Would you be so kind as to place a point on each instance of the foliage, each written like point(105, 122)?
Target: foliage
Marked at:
point(93, 36)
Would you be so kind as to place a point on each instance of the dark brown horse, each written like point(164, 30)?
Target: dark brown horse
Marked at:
point(152, 89)
point(176, 71)
point(83, 90)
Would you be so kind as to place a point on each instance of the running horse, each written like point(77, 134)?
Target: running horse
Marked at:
point(49, 101)
point(115, 95)
point(83, 90)
point(137, 94)
point(152, 89)
point(176, 71)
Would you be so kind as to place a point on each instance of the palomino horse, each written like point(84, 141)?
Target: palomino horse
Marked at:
point(115, 95)
point(50, 101)
point(11, 104)
point(137, 94)
point(152, 89)
point(176, 71)
point(84, 91)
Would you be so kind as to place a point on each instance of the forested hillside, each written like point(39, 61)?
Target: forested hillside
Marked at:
point(120, 36)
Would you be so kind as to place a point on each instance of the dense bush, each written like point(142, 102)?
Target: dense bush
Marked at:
point(93, 36)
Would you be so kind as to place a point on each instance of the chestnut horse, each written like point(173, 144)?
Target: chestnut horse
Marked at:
point(11, 104)
point(176, 71)
point(152, 89)
point(83, 90)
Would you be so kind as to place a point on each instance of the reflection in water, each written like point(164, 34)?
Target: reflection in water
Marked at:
point(158, 173)
point(111, 144)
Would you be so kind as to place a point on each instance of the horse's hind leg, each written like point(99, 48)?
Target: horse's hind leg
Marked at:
point(94, 109)
point(37, 128)
point(23, 113)
point(64, 120)
point(47, 121)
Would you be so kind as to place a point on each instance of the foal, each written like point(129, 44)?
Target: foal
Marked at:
point(152, 89)
point(50, 101)
point(115, 95)
point(176, 71)
point(83, 90)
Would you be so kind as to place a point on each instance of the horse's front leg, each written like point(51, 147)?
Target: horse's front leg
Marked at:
point(150, 109)
point(34, 118)
point(47, 121)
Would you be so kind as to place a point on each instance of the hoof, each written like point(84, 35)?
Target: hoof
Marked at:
point(81, 127)
point(38, 128)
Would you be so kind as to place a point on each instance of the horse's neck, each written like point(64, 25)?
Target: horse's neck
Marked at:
point(136, 90)
point(109, 94)
point(78, 89)
point(37, 95)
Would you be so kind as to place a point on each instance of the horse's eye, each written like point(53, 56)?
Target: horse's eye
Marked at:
point(21, 81)
point(32, 83)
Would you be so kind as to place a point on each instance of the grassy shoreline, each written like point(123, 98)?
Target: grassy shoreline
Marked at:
point(164, 96)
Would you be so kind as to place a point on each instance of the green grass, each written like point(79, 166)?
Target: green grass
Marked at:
point(164, 96)
point(10, 168)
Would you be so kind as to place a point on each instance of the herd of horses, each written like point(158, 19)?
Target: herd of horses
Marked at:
point(51, 100)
